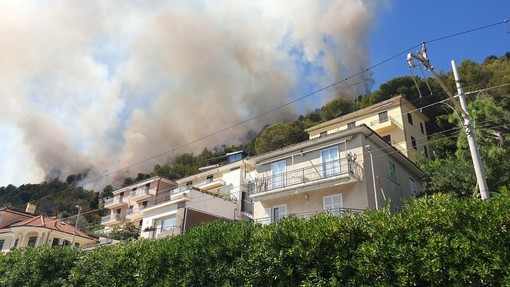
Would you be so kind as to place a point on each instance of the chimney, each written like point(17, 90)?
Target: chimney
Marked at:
point(31, 208)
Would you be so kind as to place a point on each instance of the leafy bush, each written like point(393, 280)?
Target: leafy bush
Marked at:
point(41, 266)
point(441, 240)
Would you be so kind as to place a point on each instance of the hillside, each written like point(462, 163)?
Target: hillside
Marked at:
point(450, 171)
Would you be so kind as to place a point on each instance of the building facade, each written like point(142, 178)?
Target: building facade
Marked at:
point(396, 120)
point(20, 229)
point(128, 203)
point(332, 173)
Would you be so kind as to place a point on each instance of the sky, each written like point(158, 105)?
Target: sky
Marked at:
point(111, 88)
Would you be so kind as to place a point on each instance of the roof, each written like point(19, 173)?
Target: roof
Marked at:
point(362, 129)
point(52, 223)
point(395, 101)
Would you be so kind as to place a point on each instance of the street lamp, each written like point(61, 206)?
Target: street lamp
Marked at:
point(76, 224)
point(369, 149)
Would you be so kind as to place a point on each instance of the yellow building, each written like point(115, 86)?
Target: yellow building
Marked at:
point(396, 120)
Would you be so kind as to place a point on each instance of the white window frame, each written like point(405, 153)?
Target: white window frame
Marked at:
point(330, 166)
point(278, 178)
point(412, 186)
point(335, 209)
point(270, 213)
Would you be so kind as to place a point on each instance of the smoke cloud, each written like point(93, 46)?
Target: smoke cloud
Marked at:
point(101, 85)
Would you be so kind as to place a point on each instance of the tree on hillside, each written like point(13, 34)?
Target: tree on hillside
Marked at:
point(335, 108)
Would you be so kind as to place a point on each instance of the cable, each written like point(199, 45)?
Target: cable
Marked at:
point(284, 105)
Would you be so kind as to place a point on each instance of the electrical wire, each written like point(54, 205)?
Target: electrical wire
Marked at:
point(282, 106)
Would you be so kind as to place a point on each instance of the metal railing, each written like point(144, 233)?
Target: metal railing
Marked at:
point(307, 174)
point(138, 192)
point(335, 211)
point(113, 200)
point(112, 217)
point(385, 120)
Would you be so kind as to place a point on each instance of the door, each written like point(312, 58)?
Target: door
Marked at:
point(278, 174)
point(330, 162)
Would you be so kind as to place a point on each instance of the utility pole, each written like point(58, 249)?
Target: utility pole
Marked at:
point(470, 133)
point(470, 130)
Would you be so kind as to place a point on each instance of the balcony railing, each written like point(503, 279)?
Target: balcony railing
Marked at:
point(334, 211)
point(388, 121)
point(114, 201)
point(111, 218)
point(326, 170)
point(139, 192)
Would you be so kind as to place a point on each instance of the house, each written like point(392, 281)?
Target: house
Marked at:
point(331, 172)
point(218, 192)
point(20, 229)
point(128, 203)
point(396, 120)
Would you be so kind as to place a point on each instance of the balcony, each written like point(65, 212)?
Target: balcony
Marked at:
point(135, 213)
point(114, 202)
point(112, 219)
point(209, 184)
point(140, 194)
point(312, 177)
point(168, 231)
point(334, 211)
point(180, 192)
point(385, 124)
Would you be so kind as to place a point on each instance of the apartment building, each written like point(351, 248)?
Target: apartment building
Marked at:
point(128, 203)
point(19, 229)
point(218, 192)
point(162, 208)
point(396, 120)
point(331, 172)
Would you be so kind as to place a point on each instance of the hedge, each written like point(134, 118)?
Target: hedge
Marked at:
point(434, 241)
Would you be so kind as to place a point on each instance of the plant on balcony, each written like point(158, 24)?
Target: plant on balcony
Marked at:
point(149, 228)
point(127, 232)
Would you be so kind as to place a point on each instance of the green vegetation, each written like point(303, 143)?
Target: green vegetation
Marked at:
point(438, 240)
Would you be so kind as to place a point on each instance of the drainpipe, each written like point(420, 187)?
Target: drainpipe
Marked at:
point(185, 220)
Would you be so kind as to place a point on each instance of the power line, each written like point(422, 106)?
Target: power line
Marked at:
point(286, 104)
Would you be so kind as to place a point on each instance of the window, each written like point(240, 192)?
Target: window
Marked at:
point(351, 125)
point(167, 225)
point(422, 128)
point(54, 242)
point(333, 203)
point(144, 204)
point(412, 186)
point(278, 174)
point(425, 151)
point(383, 117)
point(387, 138)
point(330, 162)
point(209, 178)
point(16, 243)
point(413, 142)
point(2, 241)
point(278, 212)
point(393, 172)
point(31, 241)
point(410, 118)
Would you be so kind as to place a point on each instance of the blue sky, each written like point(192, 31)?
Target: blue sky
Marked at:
point(405, 23)
point(102, 86)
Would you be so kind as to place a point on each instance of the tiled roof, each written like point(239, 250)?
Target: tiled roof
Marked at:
point(52, 223)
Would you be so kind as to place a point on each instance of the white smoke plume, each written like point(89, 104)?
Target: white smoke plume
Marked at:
point(100, 85)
